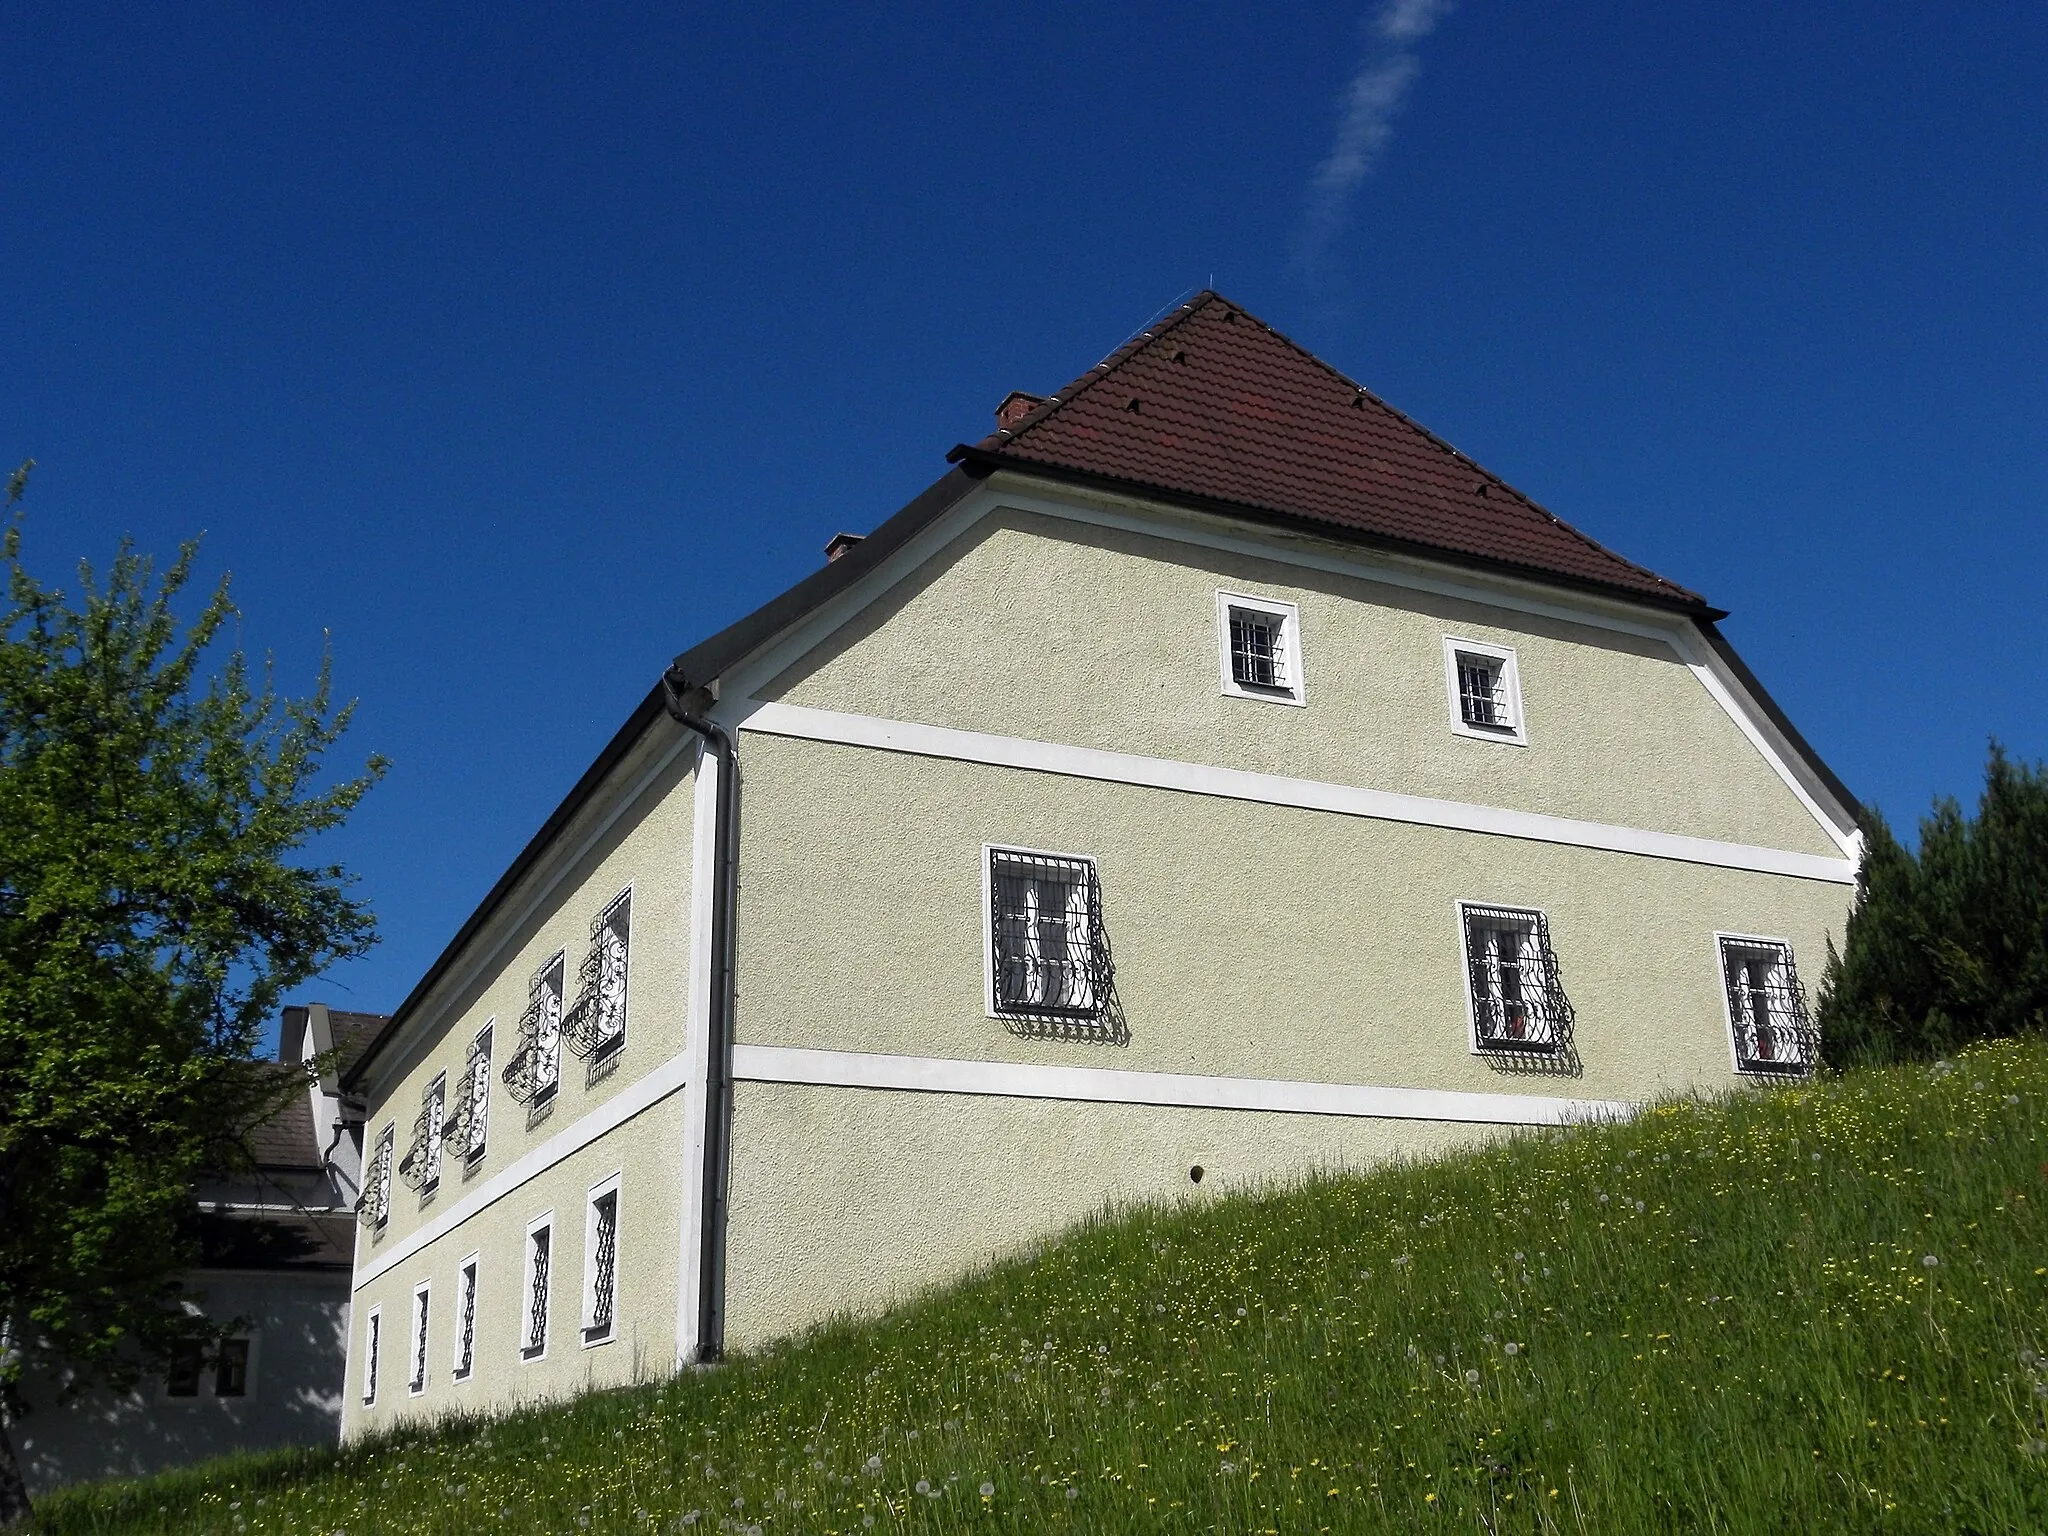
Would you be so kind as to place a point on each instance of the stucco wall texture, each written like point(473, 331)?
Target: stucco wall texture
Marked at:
point(648, 848)
point(847, 1199)
point(1250, 940)
point(1059, 630)
point(646, 1153)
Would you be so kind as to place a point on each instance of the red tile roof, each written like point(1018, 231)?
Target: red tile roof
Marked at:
point(1216, 405)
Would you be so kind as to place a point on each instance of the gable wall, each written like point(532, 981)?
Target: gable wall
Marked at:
point(1058, 630)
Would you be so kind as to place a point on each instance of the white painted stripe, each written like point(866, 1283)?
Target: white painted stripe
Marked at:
point(1099, 1085)
point(634, 1099)
point(1273, 789)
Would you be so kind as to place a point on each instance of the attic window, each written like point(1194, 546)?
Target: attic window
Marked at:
point(1517, 996)
point(1258, 642)
point(1767, 1017)
point(1485, 690)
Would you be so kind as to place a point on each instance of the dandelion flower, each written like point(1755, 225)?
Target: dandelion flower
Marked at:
point(988, 1490)
point(1512, 1348)
point(924, 1485)
point(1928, 1261)
point(1073, 1493)
point(1471, 1378)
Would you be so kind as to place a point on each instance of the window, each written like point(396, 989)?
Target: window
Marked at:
point(1259, 645)
point(1518, 1001)
point(601, 1261)
point(469, 1120)
point(1767, 1016)
point(231, 1369)
point(1048, 955)
point(535, 1070)
point(465, 1318)
point(373, 1338)
point(1485, 690)
point(421, 1167)
point(533, 1342)
point(596, 1026)
point(416, 1374)
point(181, 1378)
point(375, 1205)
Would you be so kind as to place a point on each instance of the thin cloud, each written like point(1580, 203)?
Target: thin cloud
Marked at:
point(1365, 122)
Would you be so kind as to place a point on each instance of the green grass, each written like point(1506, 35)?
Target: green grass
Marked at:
point(1819, 1308)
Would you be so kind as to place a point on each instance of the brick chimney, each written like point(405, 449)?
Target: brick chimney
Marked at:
point(841, 543)
point(1016, 406)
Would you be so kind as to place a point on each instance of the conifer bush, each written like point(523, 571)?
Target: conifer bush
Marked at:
point(1949, 945)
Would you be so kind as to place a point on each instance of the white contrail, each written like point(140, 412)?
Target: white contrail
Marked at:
point(1366, 119)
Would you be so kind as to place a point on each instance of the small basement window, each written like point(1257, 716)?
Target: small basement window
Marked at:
point(373, 1341)
point(1485, 690)
point(465, 1318)
point(601, 1262)
point(1517, 997)
point(1259, 647)
point(1048, 953)
point(422, 1307)
point(1767, 1017)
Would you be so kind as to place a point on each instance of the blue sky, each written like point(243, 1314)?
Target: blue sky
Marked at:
point(517, 348)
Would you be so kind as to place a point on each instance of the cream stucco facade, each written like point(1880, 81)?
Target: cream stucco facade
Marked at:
point(1280, 885)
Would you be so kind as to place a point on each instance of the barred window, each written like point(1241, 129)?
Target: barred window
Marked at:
point(1485, 690)
point(1260, 641)
point(1518, 999)
point(374, 1206)
point(416, 1377)
point(1049, 955)
point(469, 1118)
point(231, 1369)
point(373, 1338)
point(533, 1341)
point(596, 1026)
point(421, 1166)
point(1767, 1013)
point(601, 1264)
point(465, 1319)
point(535, 1070)
point(181, 1377)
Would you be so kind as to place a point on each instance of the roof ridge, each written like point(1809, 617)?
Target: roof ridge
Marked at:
point(1121, 355)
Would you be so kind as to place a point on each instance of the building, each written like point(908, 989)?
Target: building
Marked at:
point(1213, 775)
point(275, 1241)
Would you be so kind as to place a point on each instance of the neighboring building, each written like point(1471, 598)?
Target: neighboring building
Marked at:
point(1212, 776)
point(275, 1243)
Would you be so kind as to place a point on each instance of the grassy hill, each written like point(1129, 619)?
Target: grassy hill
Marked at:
point(1822, 1308)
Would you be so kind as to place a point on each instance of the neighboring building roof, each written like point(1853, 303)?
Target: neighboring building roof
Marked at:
point(276, 1240)
point(352, 1034)
point(288, 1139)
point(1215, 405)
point(1264, 411)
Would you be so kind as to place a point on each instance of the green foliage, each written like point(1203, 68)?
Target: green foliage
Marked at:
point(152, 912)
point(1821, 1308)
point(1951, 946)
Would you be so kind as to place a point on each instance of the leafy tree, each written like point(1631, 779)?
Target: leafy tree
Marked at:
point(153, 910)
point(1950, 946)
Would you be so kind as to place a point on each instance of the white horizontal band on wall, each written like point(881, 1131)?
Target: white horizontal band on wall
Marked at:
point(1273, 789)
point(635, 1098)
point(1100, 1085)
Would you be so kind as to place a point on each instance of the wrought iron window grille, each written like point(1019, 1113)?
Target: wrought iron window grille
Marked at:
point(1258, 650)
point(536, 1342)
point(416, 1382)
point(1050, 963)
point(1482, 693)
point(534, 1072)
point(421, 1166)
point(465, 1334)
point(596, 1026)
point(1519, 1007)
point(1774, 1032)
point(464, 1130)
point(603, 1265)
point(374, 1207)
point(373, 1344)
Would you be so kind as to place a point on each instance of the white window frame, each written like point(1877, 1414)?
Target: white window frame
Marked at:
point(603, 1187)
point(989, 853)
point(478, 1066)
point(373, 1340)
point(545, 1222)
point(1538, 915)
point(1510, 687)
point(468, 1279)
point(417, 1343)
point(1751, 941)
point(1295, 691)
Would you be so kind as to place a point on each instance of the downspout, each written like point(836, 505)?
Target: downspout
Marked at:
point(718, 1058)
